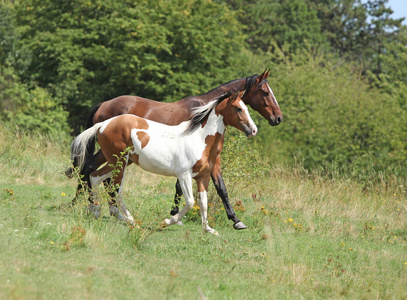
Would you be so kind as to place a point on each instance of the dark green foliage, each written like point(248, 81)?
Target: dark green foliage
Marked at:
point(29, 109)
point(88, 52)
point(279, 22)
point(333, 118)
point(382, 30)
point(344, 23)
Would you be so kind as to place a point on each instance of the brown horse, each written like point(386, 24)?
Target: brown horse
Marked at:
point(187, 151)
point(258, 96)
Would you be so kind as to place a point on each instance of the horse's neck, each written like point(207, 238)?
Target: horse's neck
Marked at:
point(231, 86)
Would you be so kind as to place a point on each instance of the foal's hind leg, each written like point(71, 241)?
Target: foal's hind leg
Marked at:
point(117, 200)
point(96, 178)
point(90, 165)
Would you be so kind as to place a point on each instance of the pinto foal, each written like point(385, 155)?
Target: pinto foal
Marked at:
point(187, 151)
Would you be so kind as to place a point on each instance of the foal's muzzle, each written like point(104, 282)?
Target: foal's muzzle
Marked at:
point(250, 130)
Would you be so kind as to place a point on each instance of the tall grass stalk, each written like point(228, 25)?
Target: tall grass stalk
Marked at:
point(311, 234)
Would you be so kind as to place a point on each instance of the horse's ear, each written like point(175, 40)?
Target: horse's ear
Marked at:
point(261, 77)
point(266, 74)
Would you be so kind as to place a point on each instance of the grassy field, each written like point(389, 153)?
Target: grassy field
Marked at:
point(310, 236)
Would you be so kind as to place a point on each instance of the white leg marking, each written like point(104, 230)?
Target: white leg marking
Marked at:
point(95, 182)
point(185, 181)
point(203, 205)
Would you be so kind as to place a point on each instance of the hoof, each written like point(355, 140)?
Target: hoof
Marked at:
point(94, 209)
point(180, 223)
point(114, 212)
point(167, 222)
point(174, 211)
point(239, 225)
point(212, 231)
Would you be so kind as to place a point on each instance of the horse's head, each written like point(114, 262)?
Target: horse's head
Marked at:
point(236, 114)
point(260, 97)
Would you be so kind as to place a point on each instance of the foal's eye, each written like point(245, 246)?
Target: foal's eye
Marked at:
point(238, 109)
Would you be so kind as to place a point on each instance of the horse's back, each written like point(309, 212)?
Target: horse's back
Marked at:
point(170, 113)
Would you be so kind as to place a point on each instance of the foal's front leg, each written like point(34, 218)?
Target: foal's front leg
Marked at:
point(185, 181)
point(203, 205)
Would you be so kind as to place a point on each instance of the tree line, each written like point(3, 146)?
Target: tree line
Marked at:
point(339, 67)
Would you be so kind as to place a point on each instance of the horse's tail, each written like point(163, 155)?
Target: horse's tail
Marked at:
point(90, 146)
point(80, 145)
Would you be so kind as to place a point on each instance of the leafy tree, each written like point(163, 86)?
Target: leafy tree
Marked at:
point(332, 116)
point(88, 52)
point(358, 31)
point(279, 22)
point(29, 109)
point(344, 23)
point(383, 29)
point(7, 33)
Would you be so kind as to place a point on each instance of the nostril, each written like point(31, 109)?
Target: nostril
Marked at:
point(278, 120)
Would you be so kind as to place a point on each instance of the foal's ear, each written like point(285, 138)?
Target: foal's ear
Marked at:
point(241, 94)
point(233, 97)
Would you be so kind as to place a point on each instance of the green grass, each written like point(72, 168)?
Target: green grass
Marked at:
point(309, 236)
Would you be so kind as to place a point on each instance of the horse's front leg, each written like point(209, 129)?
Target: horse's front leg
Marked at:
point(217, 179)
point(203, 205)
point(185, 181)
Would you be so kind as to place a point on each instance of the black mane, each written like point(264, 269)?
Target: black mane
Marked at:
point(249, 83)
point(200, 113)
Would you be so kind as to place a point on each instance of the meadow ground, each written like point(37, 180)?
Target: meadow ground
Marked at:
point(309, 235)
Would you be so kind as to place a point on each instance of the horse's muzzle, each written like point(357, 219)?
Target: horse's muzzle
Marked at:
point(275, 121)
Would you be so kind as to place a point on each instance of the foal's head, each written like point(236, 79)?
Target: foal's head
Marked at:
point(260, 97)
point(236, 114)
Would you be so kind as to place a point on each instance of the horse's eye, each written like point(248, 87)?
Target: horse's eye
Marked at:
point(265, 94)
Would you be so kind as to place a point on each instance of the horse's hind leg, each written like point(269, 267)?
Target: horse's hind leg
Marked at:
point(177, 199)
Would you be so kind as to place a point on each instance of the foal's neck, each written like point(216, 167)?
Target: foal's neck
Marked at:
point(213, 123)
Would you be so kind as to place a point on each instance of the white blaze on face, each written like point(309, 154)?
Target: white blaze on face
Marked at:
point(244, 107)
point(270, 90)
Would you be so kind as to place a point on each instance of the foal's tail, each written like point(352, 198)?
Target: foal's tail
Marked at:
point(90, 146)
point(80, 145)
